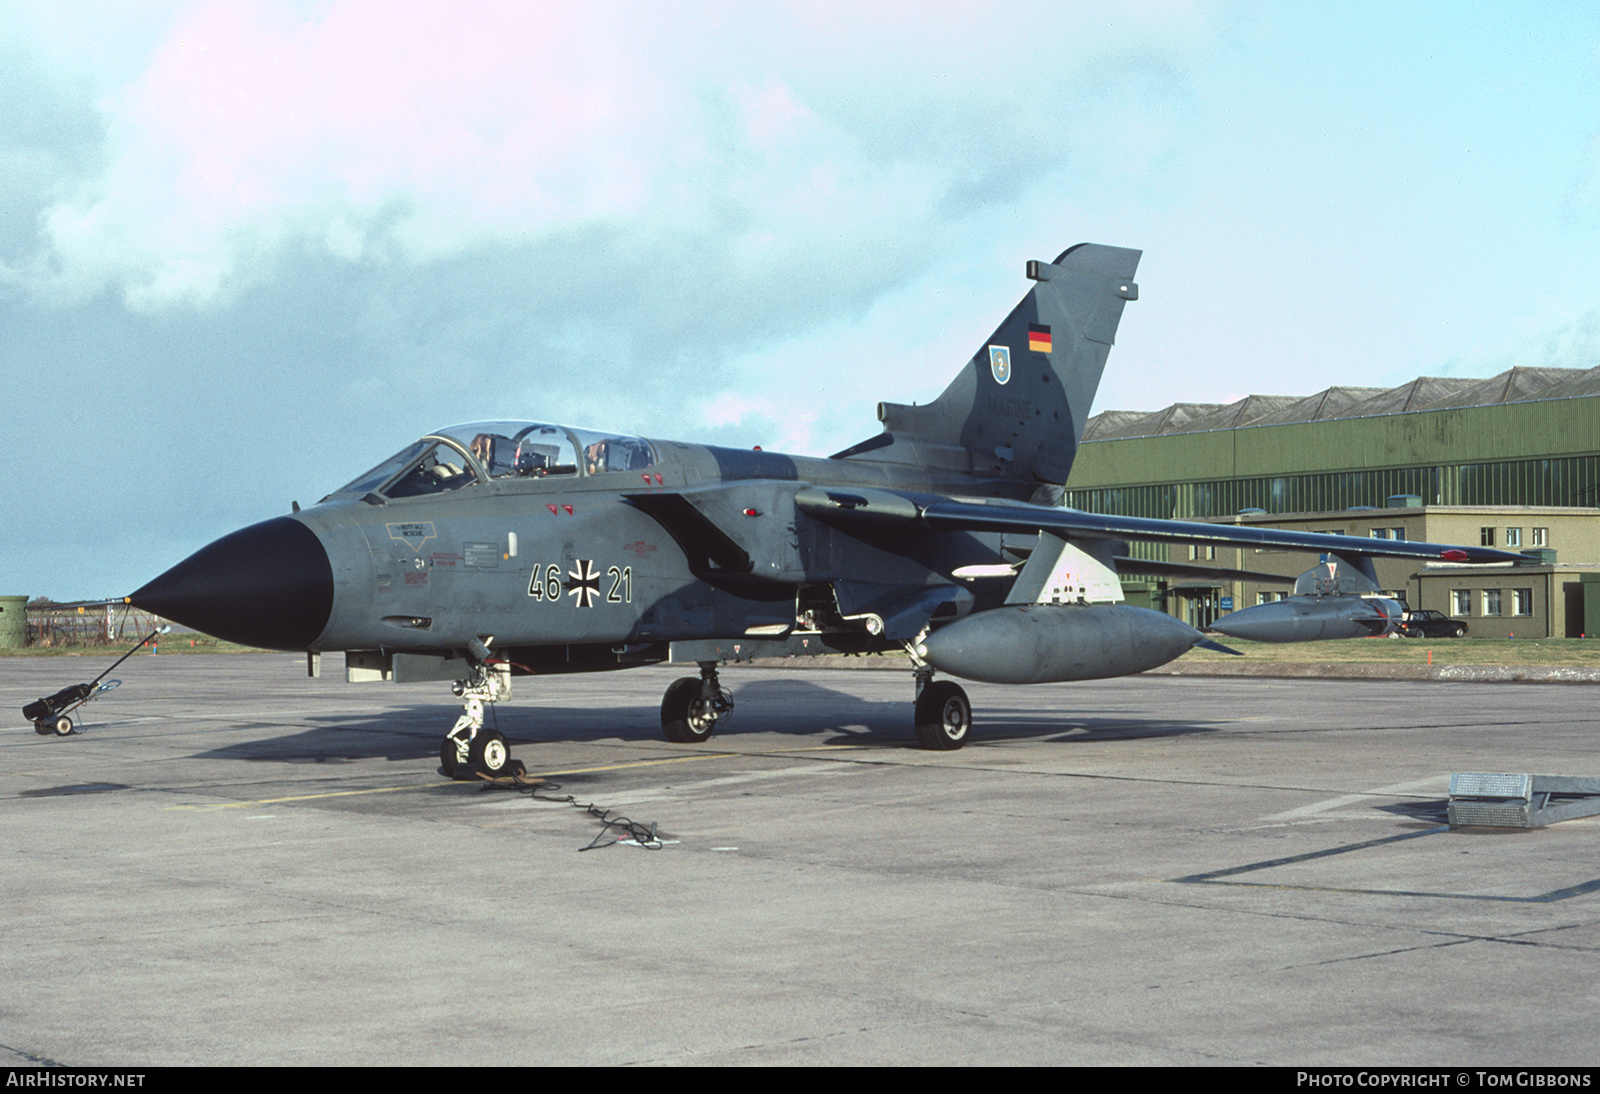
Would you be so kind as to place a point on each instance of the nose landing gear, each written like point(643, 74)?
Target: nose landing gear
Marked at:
point(471, 750)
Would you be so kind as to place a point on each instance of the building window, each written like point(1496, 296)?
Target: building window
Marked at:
point(1460, 601)
point(1513, 537)
point(1491, 602)
point(1268, 598)
point(1541, 537)
point(1485, 537)
point(1521, 601)
point(1379, 533)
point(1397, 533)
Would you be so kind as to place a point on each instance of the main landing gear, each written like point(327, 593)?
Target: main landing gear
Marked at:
point(943, 713)
point(471, 748)
point(691, 708)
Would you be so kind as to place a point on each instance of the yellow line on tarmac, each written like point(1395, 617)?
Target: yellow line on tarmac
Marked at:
point(531, 775)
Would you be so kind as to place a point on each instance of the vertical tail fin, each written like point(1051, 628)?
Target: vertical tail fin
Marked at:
point(1020, 404)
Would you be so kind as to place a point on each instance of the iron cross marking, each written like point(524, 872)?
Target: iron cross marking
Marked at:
point(585, 583)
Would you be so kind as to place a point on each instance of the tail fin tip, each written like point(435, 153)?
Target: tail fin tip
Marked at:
point(1059, 333)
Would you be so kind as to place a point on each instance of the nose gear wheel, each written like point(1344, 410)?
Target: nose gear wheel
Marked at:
point(471, 749)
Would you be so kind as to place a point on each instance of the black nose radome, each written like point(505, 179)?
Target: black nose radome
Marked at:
point(268, 585)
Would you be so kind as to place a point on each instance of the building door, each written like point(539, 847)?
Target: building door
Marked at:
point(1200, 607)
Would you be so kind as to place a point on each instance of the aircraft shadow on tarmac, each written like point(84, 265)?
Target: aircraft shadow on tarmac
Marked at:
point(795, 708)
point(785, 706)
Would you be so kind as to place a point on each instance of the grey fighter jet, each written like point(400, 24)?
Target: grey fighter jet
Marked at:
point(505, 548)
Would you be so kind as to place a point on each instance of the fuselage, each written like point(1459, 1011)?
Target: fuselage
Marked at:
point(553, 538)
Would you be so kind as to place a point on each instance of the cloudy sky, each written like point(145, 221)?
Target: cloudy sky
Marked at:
point(249, 249)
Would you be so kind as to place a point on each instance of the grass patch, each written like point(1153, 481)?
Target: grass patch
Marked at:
point(1554, 652)
point(170, 644)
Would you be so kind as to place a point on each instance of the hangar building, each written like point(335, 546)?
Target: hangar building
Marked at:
point(1511, 462)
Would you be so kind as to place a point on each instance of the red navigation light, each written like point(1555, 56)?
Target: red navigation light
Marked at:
point(1455, 554)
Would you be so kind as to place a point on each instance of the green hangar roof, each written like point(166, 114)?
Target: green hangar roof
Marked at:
point(1529, 436)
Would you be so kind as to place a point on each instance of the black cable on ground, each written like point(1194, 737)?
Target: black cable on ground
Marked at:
point(644, 836)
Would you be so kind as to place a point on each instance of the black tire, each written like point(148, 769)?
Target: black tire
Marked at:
point(944, 716)
point(488, 750)
point(1460, 631)
point(686, 719)
point(44, 727)
point(449, 758)
point(62, 726)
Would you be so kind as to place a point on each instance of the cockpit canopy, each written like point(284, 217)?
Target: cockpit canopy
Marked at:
point(462, 455)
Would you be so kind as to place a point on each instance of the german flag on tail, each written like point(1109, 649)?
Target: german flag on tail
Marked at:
point(1038, 338)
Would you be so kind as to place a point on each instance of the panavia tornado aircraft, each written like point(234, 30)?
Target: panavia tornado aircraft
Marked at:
point(508, 548)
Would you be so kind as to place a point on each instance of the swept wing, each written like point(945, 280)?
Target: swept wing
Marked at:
point(869, 511)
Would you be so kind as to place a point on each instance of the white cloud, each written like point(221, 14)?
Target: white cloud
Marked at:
point(816, 137)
